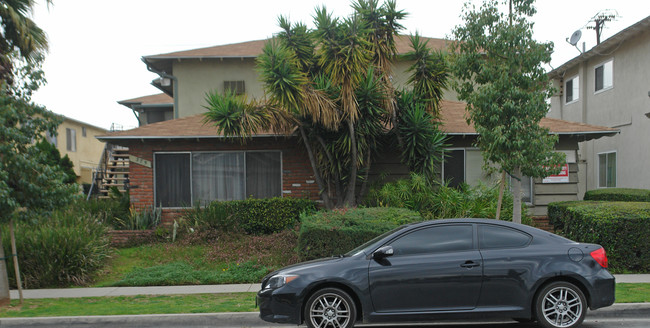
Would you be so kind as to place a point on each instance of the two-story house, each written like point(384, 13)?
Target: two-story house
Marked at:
point(176, 163)
point(78, 140)
point(609, 85)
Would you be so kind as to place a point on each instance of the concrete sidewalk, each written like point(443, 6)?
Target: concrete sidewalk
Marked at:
point(196, 289)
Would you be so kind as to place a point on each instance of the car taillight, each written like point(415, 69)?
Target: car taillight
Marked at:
point(600, 257)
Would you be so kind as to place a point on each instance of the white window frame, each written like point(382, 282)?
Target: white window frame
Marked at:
point(608, 75)
point(615, 171)
point(575, 89)
point(71, 139)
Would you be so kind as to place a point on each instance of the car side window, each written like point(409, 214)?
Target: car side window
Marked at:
point(491, 237)
point(446, 238)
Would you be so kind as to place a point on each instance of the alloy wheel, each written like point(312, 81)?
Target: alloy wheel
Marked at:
point(562, 307)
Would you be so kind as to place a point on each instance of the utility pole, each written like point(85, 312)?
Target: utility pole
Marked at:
point(599, 22)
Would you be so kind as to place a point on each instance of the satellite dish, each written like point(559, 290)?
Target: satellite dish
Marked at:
point(575, 37)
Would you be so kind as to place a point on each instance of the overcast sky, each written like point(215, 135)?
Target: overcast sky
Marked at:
point(96, 46)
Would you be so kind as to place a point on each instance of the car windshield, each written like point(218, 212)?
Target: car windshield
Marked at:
point(372, 241)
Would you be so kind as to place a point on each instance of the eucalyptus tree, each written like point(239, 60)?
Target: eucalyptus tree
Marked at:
point(499, 66)
point(332, 84)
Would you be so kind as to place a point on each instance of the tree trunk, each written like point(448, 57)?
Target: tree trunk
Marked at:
point(14, 253)
point(502, 186)
point(352, 179)
point(319, 180)
point(364, 184)
point(516, 195)
point(5, 297)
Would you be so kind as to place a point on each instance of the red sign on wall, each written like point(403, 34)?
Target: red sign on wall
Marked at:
point(562, 177)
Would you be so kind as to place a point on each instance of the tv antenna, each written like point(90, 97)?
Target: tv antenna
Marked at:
point(599, 21)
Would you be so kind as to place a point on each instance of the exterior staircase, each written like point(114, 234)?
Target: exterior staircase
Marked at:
point(113, 171)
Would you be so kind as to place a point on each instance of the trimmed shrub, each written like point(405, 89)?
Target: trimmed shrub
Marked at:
point(619, 195)
point(62, 249)
point(622, 228)
point(253, 216)
point(329, 233)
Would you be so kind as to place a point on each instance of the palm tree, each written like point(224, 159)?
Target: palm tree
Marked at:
point(331, 85)
point(18, 33)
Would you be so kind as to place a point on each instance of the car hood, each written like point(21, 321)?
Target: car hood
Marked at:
point(305, 265)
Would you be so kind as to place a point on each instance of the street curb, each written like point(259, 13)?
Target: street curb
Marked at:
point(223, 320)
point(621, 310)
point(242, 319)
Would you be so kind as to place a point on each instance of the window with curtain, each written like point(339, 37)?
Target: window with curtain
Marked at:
point(607, 170)
point(217, 176)
point(184, 179)
point(263, 178)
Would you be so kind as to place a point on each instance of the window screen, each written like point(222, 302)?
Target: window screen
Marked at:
point(454, 167)
point(172, 172)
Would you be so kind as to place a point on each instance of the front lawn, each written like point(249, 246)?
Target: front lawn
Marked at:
point(223, 259)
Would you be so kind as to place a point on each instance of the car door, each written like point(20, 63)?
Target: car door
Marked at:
point(508, 265)
point(436, 268)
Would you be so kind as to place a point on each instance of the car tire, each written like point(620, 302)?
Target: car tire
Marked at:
point(560, 305)
point(330, 307)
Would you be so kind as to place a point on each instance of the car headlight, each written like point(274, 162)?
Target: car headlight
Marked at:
point(278, 281)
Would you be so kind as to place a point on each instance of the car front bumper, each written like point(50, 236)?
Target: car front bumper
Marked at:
point(279, 305)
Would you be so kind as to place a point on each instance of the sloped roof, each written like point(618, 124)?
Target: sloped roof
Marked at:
point(607, 46)
point(157, 99)
point(188, 127)
point(254, 48)
point(452, 117)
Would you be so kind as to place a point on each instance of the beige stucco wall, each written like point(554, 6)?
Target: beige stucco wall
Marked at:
point(623, 107)
point(88, 150)
point(198, 77)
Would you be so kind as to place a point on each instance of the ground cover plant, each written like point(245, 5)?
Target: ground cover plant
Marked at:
point(224, 258)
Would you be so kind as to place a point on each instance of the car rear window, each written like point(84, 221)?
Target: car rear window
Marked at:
point(491, 236)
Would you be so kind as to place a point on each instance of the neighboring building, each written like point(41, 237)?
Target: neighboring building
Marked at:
point(178, 162)
point(151, 109)
point(609, 85)
point(78, 140)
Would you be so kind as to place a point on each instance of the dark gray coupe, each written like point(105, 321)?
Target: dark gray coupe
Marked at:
point(445, 269)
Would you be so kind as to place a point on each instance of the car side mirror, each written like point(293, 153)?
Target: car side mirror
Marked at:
point(383, 252)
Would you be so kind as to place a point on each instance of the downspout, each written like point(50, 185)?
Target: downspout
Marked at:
point(165, 75)
point(137, 117)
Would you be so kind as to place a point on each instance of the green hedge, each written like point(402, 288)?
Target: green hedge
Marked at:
point(58, 250)
point(329, 233)
point(622, 228)
point(253, 216)
point(619, 195)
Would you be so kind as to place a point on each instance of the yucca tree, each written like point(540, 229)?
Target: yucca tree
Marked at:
point(19, 33)
point(331, 85)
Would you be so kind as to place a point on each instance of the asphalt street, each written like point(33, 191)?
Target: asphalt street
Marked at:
point(619, 315)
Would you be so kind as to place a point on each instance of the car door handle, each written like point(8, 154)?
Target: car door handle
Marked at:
point(470, 264)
